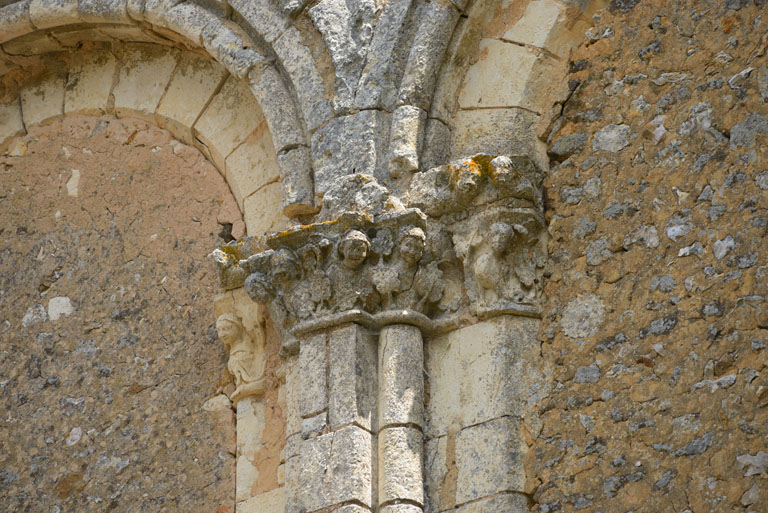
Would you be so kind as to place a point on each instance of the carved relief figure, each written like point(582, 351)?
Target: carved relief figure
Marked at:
point(315, 287)
point(245, 363)
point(351, 282)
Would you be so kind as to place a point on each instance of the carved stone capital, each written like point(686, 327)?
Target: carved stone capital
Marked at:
point(471, 243)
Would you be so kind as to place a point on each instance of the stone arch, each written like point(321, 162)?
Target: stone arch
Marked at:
point(195, 28)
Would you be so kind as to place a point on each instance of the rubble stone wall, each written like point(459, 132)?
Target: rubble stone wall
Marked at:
point(655, 323)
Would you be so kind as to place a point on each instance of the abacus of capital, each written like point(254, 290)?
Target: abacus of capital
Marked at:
point(356, 294)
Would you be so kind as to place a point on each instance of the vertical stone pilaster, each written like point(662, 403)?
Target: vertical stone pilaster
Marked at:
point(401, 416)
point(352, 378)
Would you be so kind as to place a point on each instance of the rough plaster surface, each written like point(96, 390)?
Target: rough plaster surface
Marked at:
point(107, 355)
point(656, 315)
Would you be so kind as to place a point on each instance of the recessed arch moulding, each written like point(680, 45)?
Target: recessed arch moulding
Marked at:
point(406, 140)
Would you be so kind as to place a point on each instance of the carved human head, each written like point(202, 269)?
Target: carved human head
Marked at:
point(309, 256)
point(412, 242)
point(284, 266)
point(500, 236)
point(354, 248)
point(229, 328)
point(258, 288)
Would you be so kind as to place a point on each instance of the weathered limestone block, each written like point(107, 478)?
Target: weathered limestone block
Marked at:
point(262, 210)
point(477, 373)
point(296, 179)
point(251, 421)
point(11, 123)
point(292, 398)
point(543, 25)
point(278, 105)
point(263, 16)
point(229, 119)
point(503, 503)
point(44, 100)
point(52, 13)
point(252, 165)
point(293, 485)
point(347, 145)
point(489, 458)
point(352, 374)
point(313, 361)
point(15, 20)
point(336, 468)
point(101, 11)
point(89, 83)
point(400, 465)
point(189, 20)
point(437, 23)
point(36, 43)
point(232, 47)
point(189, 90)
point(144, 75)
point(377, 84)
point(406, 140)
point(401, 379)
point(435, 473)
point(400, 508)
point(346, 29)
point(436, 150)
point(314, 425)
point(499, 77)
point(314, 98)
point(272, 501)
point(487, 131)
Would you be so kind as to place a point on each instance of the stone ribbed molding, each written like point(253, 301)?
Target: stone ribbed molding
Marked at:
point(355, 294)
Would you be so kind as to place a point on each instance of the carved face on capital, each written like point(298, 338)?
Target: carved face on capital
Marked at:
point(354, 249)
point(412, 245)
point(284, 267)
point(228, 328)
point(500, 236)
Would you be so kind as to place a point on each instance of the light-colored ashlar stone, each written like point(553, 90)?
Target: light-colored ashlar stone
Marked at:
point(143, 77)
point(229, 119)
point(489, 458)
point(541, 24)
point(263, 212)
point(292, 397)
point(89, 83)
point(296, 180)
point(477, 372)
point(232, 47)
point(246, 473)
point(252, 165)
point(188, 20)
point(101, 11)
point(15, 20)
point(406, 140)
point(11, 123)
point(293, 485)
point(314, 426)
point(313, 96)
point(347, 145)
point(190, 89)
point(400, 465)
point(336, 468)
point(272, 501)
point(44, 100)
point(502, 503)
point(437, 23)
point(313, 359)
point(437, 137)
point(435, 472)
point(52, 13)
point(264, 16)
point(352, 508)
point(251, 421)
point(352, 391)
point(36, 43)
point(278, 105)
point(498, 78)
point(487, 131)
point(400, 508)
point(401, 378)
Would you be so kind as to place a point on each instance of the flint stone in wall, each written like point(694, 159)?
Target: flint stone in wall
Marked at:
point(611, 138)
point(336, 468)
point(489, 459)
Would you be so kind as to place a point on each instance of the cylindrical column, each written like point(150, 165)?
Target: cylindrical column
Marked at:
point(401, 416)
